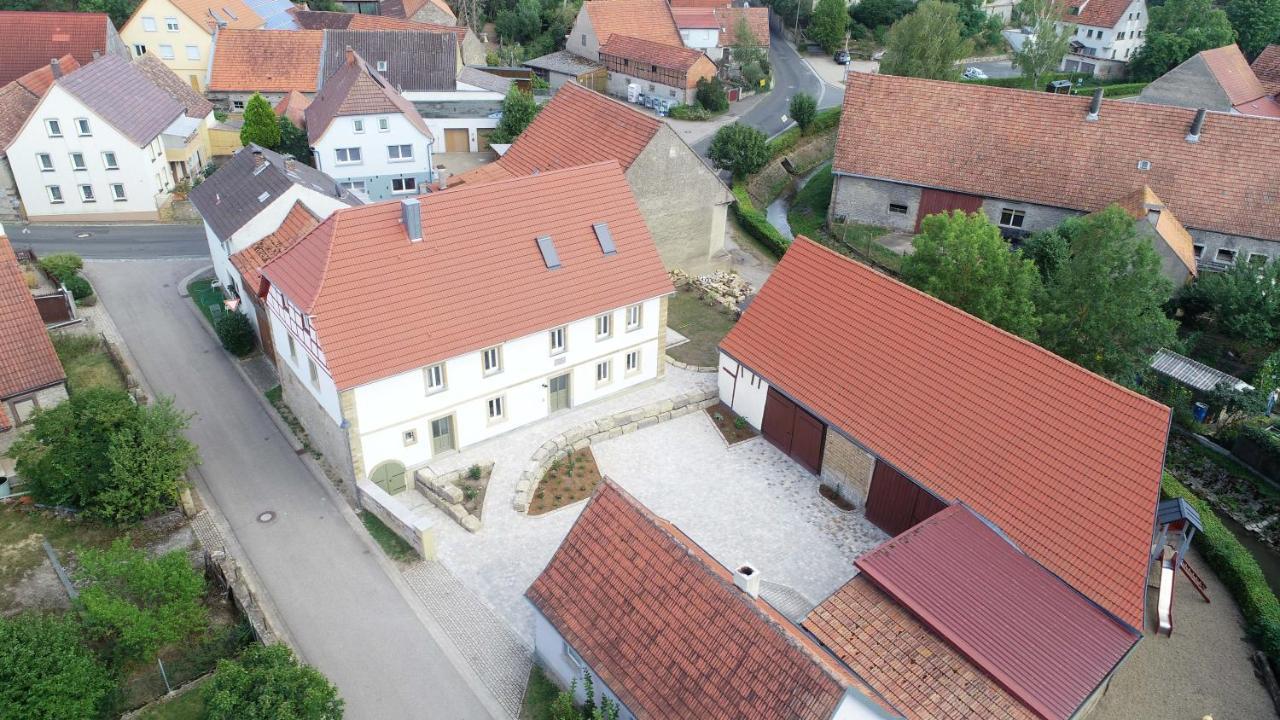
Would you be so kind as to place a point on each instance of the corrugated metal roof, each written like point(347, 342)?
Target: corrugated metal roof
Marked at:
point(1192, 373)
point(1040, 639)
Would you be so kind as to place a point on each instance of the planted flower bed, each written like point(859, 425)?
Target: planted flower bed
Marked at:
point(732, 426)
point(570, 479)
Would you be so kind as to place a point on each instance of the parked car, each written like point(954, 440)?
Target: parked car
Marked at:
point(841, 57)
point(973, 73)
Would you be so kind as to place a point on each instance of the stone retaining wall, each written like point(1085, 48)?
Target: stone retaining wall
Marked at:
point(444, 493)
point(602, 429)
point(413, 529)
point(690, 368)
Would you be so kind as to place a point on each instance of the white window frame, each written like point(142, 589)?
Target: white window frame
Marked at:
point(405, 183)
point(118, 196)
point(496, 409)
point(434, 379)
point(384, 124)
point(193, 52)
point(52, 127)
point(1008, 216)
point(349, 152)
point(491, 360)
point(113, 163)
point(166, 52)
point(398, 156)
point(237, 104)
point(82, 165)
point(557, 339)
point(314, 372)
point(409, 437)
point(139, 50)
point(171, 24)
point(381, 65)
point(633, 362)
point(149, 24)
point(293, 347)
point(86, 193)
point(55, 194)
point(45, 162)
point(604, 372)
point(637, 311)
point(357, 125)
point(604, 326)
point(83, 129)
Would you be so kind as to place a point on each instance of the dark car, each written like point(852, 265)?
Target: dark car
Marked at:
point(841, 57)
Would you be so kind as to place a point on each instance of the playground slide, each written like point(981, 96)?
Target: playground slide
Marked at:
point(1165, 607)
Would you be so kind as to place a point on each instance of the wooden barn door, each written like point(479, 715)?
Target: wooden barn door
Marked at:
point(793, 430)
point(895, 503)
point(936, 201)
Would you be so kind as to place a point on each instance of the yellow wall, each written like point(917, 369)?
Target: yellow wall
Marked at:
point(189, 33)
point(224, 142)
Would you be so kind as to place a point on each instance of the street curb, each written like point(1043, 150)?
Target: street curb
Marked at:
point(184, 282)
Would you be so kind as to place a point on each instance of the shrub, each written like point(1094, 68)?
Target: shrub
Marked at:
point(753, 74)
point(740, 149)
point(690, 112)
point(235, 332)
point(474, 472)
point(804, 110)
point(1237, 569)
point(711, 96)
point(62, 266)
point(140, 604)
point(756, 224)
point(78, 286)
point(45, 671)
point(266, 683)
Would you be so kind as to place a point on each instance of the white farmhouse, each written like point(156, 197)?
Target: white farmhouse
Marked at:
point(1108, 33)
point(94, 148)
point(407, 330)
point(367, 136)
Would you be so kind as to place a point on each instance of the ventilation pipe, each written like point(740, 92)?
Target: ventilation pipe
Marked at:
point(1197, 125)
point(55, 65)
point(1095, 106)
point(747, 578)
point(411, 216)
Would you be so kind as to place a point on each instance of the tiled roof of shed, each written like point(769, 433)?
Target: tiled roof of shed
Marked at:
point(267, 61)
point(433, 308)
point(1140, 203)
point(250, 260)
point(695, 18)
point(1003, 143)
point(27, 359)
point(41, 79)
point(1267, 68)
point(647, 52)
point(29, 39)
point(565, 62)
point(662, 624)
point(1041, 446)
point(293, 106)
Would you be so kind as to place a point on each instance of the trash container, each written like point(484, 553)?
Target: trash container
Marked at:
point(1200, 411)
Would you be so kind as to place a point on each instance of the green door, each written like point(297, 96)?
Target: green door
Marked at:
point(442, 435)
point(390, 477)
point(559, 391)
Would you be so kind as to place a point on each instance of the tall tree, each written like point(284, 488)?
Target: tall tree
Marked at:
point(803, 110)
point(880, 13)
point(962, 260)
point(293, 141)
point(1257, 23)
point(1102, 308)
point(259, 123)
point(740, 149)
point(1042, 51)
point(1178, 30)
point(829, 24)
point(746, 46)
point(118, 10)
point(927, 43)
point(518, 110)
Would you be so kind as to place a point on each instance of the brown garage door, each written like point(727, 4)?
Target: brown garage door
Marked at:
point(895, 503)
point(936, 201)
point(793, 430)
point(456, 140)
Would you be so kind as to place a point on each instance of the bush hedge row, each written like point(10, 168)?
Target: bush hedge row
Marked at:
point(755, 222)
point(1260, 448)
point(1237, 569)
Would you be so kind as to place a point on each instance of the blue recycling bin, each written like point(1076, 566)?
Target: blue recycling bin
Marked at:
point(1200, 411)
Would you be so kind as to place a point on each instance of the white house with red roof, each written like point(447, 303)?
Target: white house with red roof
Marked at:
point(410, 329)
point(1108, 33)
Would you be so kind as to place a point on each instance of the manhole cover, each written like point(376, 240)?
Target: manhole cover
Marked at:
point(84, 234)
point(266, 516)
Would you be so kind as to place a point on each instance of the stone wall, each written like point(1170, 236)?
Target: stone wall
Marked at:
point(847, 466)
point(329, 439)
point(413, 529)
point(867, 202)
point(443, 492)
point(765, 186)
point(663, 307)
point(603, 429)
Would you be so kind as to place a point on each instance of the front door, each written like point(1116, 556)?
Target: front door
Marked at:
point(559, 392)
point(442, 435)
point(389, 476)
point(456, 140)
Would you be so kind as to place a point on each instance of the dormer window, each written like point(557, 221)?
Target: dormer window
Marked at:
point(382, 66)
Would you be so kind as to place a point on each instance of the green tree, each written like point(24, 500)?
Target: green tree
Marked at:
point(962, 260)
point(1268, 377)
point(518, 110)
point(267, 683)
point(235, 333)
point(140, 604)
point(1048, 249)
point(1244, 302)
point(740, 149)
point(1102, 307)
point(259, 123)
point(1042, 51)
point(829, 24)
point(46, 673)
point(927, 43)
point(1178, 30)
point(293, 141)
point(803, 110)
point(118, 10)
point(1256, 22)
point(711, 95)
point(103, 452)
point(746, 46)
point(521, 23)
point(880, 13)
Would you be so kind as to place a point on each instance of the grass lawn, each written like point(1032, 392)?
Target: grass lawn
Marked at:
point(87, 363)
point(187, 706)
point(392, 544)
point(808, 217)
point(539, 696)
point(21, 530)
point(206, 297)
point(704, 325)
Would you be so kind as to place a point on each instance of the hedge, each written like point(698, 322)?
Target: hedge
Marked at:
point(1237, 569)
point(1123, 90)
point(755, 222)
point(1260, 448)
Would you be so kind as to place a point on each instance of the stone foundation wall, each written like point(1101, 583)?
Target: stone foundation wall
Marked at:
point(603, 429)
point(848, 466)
point(415, 530)
point(324, 434)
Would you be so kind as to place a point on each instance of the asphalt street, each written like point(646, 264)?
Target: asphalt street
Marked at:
point(342, 609)
point(112, 242)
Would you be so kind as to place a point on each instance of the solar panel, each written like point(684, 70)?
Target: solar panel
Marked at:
point(549, 254)
point(605, 238)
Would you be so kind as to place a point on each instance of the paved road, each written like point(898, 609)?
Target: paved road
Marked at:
point(113, 242)
point(996, 69)
point(340, 607)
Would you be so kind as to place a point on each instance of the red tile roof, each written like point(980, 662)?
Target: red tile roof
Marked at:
point(699, 3)
point(267, 61)
point(757, 22)
point(695, 18)
point(661, 623)
point(1230, 68)
point(235, 13)
point(430, 306)
point(357, 89)
point(906, 662)
point(1096, 13)
point(249, 261)
point(1003, 143)
point(1139, 205)
point(646, 52)
point(40, 79)
point(1066, 462)
point(29, 39)
point(293, 106)
point(19, 98)
point(27, 359)
point(1267, 67)
point(1043, 641)
point(646, 19)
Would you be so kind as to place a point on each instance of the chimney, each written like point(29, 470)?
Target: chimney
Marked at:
point(411, 216)
point(97, 53)
point(444, 177)
point(747, 578)
point(351, 55)
point(258, 158)
point(1095, 106)
point(56, 66)
point(1197, 125)
point(289, 163)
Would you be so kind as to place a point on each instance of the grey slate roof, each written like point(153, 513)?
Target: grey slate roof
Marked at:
point(124, 96)
point(1191, 373)
point(563, 62)
point(195, 104)
point(1177, 509)
point(417, 61)
point(485, 80)
point(229, 198)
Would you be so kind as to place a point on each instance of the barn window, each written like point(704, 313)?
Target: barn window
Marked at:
point(898, 208)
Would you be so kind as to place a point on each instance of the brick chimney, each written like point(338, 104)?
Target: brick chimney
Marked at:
point(56, 66)
point(351, 55)
point(259, 159)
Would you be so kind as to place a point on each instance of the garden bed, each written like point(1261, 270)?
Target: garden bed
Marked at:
point(208, 298)
point(570, 479)
point(703, 322)
point(733, 427)
point(87, 362)
point(474, 483)
point(834, 497)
